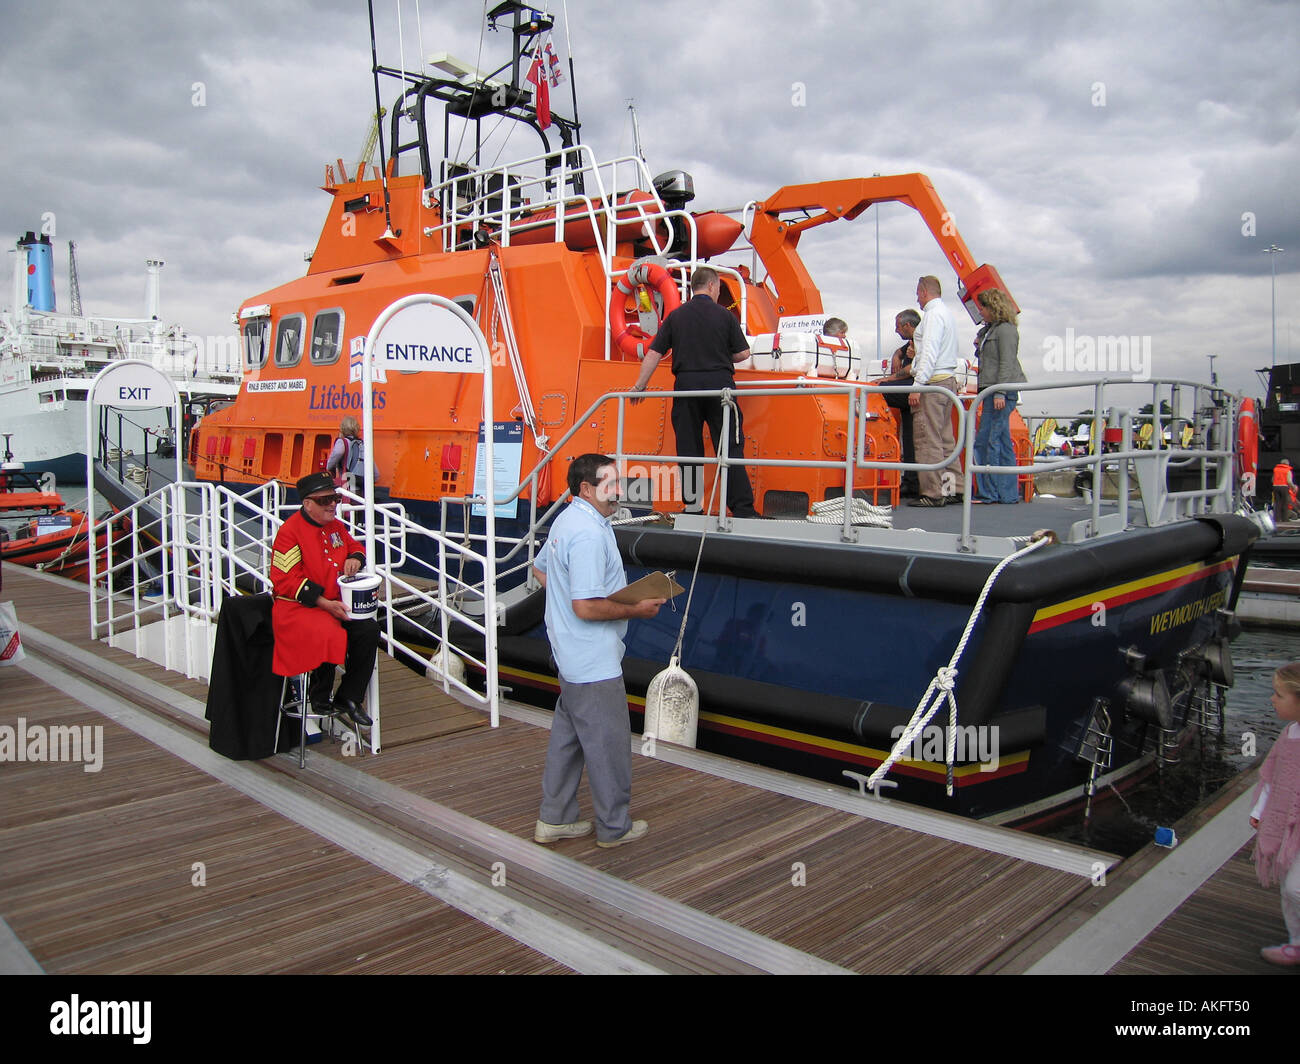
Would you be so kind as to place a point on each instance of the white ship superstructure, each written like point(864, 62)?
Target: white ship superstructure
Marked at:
point(48, 359)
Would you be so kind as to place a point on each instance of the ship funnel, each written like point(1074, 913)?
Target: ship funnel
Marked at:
point(36, 257)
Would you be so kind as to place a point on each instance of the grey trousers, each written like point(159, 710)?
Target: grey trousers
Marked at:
point(591, 724)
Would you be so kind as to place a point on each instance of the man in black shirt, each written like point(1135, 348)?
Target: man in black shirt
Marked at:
point(706, 341)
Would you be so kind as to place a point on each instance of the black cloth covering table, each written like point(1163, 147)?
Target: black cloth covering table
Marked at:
point(243, 692)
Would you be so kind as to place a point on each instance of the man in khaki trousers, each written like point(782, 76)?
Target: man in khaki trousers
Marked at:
point(936, 365)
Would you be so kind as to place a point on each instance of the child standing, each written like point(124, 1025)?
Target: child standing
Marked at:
point(1277, 814)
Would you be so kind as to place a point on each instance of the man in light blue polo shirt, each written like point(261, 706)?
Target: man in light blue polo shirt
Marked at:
point(580, 567)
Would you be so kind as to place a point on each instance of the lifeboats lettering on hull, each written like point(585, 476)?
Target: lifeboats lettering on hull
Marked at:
point(332, 397)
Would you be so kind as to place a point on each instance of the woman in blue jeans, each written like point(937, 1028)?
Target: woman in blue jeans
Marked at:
point(998, 345)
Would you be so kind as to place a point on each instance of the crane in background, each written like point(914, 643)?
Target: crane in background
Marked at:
point(372, 139)
point(73, 284)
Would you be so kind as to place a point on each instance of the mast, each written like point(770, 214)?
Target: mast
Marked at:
point(636, 130)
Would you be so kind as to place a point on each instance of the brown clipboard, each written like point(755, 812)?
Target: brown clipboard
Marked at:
point(652, 586)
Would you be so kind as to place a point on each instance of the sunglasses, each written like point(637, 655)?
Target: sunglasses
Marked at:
point(326, 500)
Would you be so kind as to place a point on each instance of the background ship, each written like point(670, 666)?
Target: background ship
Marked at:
point(48, 359)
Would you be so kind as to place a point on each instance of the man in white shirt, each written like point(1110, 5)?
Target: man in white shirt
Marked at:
point(936, 365)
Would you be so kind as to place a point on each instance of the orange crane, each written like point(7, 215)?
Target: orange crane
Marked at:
point(776, 238)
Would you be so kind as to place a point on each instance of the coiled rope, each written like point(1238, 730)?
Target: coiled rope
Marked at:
point(831, 512)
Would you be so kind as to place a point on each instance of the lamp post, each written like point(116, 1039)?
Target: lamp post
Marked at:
point(1273, 251)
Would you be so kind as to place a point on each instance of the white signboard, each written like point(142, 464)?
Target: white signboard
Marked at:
point(429, 338)
point(507, 459)
point(295, 384)
point(133, 384)
point(802, 323)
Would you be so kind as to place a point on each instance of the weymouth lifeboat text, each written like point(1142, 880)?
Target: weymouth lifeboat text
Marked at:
point(1162, 622)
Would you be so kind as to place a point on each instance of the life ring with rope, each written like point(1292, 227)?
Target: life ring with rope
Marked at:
point(655, 291)
point(1247, 447)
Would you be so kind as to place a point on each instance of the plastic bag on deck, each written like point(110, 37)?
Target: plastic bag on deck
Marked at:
point(11, 644)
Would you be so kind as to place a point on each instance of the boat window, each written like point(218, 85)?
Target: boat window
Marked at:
point(326, 337)
point(288, 340)
point(255, 342)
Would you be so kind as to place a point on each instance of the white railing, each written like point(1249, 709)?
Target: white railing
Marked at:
point(175, 555)
point(1212, 417)
point(1213, 411)
point(469, 204)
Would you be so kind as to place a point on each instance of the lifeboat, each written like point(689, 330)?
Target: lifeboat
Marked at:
point(715, 233)
point(632, 223)
point(36, 530)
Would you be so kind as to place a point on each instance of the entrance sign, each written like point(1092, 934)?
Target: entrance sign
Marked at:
point(431, 334)
point(426, 338)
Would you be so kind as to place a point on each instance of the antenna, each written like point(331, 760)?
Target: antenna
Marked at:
point(379, 110)
point(636, 129)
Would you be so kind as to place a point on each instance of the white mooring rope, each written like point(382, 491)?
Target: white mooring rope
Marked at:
point(945, 679)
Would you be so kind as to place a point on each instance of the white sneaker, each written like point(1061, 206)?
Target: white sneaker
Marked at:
point(636, 831)
point(545, 832)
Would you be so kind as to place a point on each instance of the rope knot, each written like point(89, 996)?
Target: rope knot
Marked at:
point(946, 678)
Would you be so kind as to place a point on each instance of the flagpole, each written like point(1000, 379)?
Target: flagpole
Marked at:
point(573, 81)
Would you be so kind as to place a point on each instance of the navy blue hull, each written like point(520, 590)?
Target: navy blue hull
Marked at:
point(818, 679)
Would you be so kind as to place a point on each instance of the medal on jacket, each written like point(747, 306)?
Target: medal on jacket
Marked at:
point(335, 540)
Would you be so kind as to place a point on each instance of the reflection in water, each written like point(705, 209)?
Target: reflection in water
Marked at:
point(1124, 825)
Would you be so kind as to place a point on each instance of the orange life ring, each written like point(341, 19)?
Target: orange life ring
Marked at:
point(645, 278)
point(1247, 447)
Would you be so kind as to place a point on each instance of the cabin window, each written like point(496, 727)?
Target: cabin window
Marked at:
point(326, 337)
point(288, 340)
point(255, 342)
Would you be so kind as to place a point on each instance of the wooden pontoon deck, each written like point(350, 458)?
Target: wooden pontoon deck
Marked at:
point(173, 859)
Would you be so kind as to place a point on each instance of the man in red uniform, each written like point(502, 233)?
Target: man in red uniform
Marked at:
point(312, 630)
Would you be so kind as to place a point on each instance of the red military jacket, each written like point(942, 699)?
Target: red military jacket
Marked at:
point(306, 563)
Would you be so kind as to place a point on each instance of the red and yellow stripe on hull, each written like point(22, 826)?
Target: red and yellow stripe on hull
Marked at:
point(1121, 594)
point(868, 757)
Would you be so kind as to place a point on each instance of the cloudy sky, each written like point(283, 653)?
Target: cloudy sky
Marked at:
point(1122, 165)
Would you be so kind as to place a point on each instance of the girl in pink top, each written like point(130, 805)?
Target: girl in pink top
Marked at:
point(1277, 814)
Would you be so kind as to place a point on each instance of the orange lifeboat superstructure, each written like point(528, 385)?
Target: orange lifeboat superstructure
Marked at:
point(568, 243)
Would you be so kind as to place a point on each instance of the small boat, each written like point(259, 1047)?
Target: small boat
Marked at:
point(37, 528)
